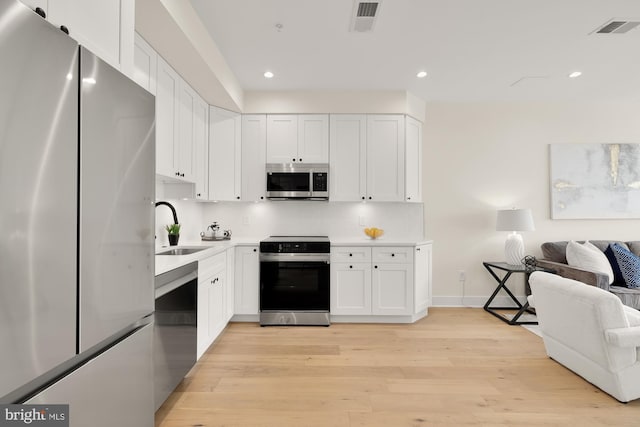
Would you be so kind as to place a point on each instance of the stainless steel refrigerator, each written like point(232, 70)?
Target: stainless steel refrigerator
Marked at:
point(77, 150)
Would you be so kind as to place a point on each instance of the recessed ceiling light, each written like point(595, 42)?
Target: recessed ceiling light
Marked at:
point(575, 74)
point(268, 75)
point(421, 74)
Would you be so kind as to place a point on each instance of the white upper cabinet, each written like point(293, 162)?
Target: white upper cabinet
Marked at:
point(348, 157)
point(224, 154)
point(183, 151)
point(201, 148)
point(413, 162)
point(282, 138)
point(179, 124)
point(254, 154)
point(167, 118)
point(300, 138)
point(145, 62)
point(105, 27)
point(385, 158)
point(313, 138)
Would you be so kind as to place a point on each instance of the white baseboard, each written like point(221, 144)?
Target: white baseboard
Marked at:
point(474, 301)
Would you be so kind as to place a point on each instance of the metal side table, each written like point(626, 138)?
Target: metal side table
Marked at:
point(493, 268)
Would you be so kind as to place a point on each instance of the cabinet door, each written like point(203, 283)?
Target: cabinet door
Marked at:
point(201, 148)
point(93, 24)
point(203, 315)
point(247, 280)
point(313, 138)
point(217, 319)
point(224, 154)
point(392, 289)
point(422, 266)
point(413, 162)
point(254, 157)
point(385, 158)
point(282, 139)
point(145, 64)
point(230, 283)
point(183, 151)
point(351, 289)
point(167, 118)
point(348, 157)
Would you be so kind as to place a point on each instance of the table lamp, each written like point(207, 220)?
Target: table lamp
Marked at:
point(514, 220)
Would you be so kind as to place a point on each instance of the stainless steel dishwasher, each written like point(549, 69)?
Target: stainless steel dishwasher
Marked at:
point(175, 328)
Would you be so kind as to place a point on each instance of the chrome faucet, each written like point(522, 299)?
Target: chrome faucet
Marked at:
point(173, 210)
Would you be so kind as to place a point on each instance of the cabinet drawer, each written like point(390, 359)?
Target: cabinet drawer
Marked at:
point(210, 266)
point(396, 255)
point(351, 254)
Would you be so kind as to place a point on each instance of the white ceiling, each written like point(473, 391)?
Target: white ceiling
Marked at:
point(473, 50)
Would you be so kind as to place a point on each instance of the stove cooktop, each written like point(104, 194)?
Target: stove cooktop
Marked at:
point(295, 244)
point(284, 239)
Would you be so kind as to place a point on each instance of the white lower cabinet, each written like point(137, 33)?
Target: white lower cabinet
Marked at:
point(351, 288)
point(211, 300)
point(392, 289)
point(247, 281)
point(422, 270)
point(230, 283)
point(380, 281)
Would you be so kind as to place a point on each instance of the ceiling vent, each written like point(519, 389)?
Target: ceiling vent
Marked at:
point(617, 26)
point(365, 14)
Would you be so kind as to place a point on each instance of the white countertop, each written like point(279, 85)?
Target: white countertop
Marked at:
point(380, 241)
point(166, 263)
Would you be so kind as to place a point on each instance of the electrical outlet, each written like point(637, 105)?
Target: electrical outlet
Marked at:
point(462, 276)
point(245, 220)
point(361, 220)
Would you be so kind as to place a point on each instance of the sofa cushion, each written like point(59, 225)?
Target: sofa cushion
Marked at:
point(556, 251)
point(589, 257)
point(618, 279)
point(629, 264)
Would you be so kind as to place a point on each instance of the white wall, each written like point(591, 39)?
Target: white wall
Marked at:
point(482, 157)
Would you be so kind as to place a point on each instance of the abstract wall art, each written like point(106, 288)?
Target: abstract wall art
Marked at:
point(594, 181)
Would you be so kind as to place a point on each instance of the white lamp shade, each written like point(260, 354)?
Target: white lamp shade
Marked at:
point(515, 220)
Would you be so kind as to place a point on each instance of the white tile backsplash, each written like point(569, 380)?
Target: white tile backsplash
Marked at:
point(340, 219)
point(258, 220)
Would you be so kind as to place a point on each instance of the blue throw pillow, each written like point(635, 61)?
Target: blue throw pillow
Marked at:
point(629, 265)
point(618, 279)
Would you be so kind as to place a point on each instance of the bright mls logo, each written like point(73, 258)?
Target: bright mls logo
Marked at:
point(34, 415)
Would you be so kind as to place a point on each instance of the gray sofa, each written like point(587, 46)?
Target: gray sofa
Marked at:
point(554, 254)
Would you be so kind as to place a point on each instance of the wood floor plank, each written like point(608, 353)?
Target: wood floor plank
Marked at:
point(456, 367)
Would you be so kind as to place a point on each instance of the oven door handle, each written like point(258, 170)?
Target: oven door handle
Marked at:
point(295, 258)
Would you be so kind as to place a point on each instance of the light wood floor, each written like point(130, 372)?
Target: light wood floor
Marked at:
point(456, 367)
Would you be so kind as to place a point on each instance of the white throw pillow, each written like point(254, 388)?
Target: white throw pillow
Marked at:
point(590, 257)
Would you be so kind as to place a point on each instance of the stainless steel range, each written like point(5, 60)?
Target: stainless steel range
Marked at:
point(294, 280)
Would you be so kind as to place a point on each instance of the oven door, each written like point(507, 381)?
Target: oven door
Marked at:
point(294, 282)
point(288, 184)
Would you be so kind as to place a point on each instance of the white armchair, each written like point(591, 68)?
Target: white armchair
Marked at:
point(589, 331)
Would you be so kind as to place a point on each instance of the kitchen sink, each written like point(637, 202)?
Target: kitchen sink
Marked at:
point(181, 251)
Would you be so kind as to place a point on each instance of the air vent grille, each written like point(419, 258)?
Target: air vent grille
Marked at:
point(364, 15)
point(617, 26)
point(367, 10)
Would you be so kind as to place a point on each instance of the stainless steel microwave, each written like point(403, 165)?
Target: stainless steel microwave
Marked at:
point(298, 181)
